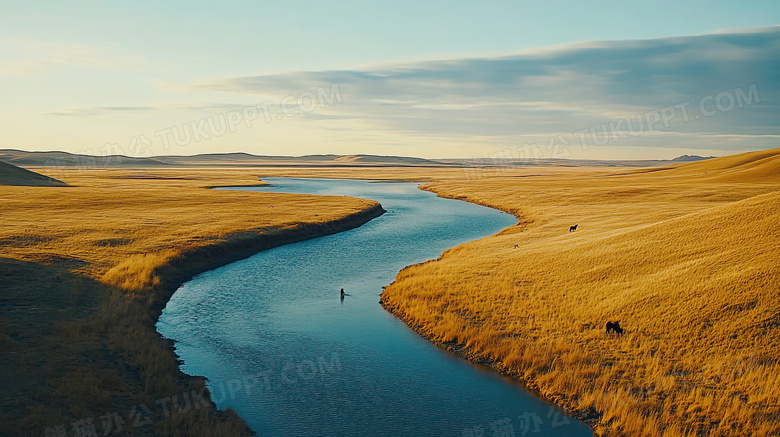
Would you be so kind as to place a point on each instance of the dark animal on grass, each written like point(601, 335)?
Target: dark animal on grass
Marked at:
point(614, 327)
point(572, 228)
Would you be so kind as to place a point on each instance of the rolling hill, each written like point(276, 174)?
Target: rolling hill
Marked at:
point(761, 166)
point(237, 159)
point(13, 175)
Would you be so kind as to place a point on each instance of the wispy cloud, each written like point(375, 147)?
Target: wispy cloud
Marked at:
point(26, 57)
point(96, 111)
point(558, 90)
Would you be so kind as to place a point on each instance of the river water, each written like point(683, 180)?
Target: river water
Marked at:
point(279, 345)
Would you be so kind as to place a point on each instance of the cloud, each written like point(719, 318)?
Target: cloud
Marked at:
point(100, 110)
point(562, 90)
point(25, 57)
point(95, 111)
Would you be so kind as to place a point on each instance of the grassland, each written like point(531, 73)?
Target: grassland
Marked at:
point(86, 270)
point(686, 258)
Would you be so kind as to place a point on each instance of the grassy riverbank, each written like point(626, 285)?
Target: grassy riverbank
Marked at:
point(685, 258)
point(86, 271)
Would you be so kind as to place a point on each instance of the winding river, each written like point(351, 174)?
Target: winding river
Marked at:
point(280, 347)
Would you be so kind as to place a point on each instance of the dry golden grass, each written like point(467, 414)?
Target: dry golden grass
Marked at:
point(86, 270)
point(124, 224)
point(686, 258)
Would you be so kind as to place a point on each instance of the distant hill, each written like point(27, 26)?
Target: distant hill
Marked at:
point(374, 159)
point(13, 175)
point(761, 166)
point(65, 159)
point(691, 158)
point(305, 160)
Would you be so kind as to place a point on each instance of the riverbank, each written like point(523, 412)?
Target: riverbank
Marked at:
point(87, 270)
point(682, 257)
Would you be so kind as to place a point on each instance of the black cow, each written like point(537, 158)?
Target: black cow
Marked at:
point(572, 228)
point(614, 327)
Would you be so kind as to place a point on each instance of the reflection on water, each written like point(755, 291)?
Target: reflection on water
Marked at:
point(281, 345)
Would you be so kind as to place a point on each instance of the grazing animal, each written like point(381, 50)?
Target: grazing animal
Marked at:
point(572, 228)
point(516, 246)
point(614, 327)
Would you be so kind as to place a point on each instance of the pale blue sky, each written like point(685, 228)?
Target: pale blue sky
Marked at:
point(120, 70)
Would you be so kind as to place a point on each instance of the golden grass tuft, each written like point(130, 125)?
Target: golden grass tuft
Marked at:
point(137, 272)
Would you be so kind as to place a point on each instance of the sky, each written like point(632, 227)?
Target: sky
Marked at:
point(433, 79)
